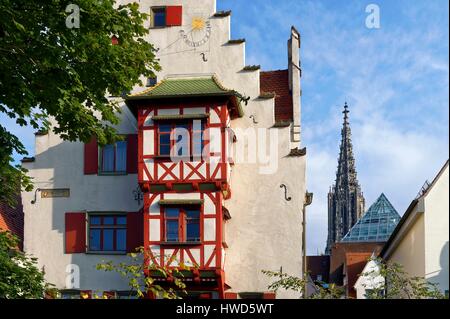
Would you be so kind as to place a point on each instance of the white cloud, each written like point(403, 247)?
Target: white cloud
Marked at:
point(396, 83)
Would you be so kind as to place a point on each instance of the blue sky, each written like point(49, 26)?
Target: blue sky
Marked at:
point(395, 80)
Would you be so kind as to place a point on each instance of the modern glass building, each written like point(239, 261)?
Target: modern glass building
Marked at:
point(376, 225)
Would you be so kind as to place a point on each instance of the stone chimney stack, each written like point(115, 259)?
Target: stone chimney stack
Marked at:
point(295, 74)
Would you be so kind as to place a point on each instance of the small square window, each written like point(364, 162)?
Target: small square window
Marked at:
point(152, 81)
point(158, 17)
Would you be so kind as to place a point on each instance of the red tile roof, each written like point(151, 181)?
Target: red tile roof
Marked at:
point(278, 82)
point(12, 219)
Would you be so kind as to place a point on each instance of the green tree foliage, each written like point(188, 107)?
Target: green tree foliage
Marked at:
point(51, 71)
point(137, 269)
point(288, 282)
point(19, 274)
point(12, 178)
point(396, 283)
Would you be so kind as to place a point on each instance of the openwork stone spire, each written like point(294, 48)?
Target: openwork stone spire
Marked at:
point(345, 199)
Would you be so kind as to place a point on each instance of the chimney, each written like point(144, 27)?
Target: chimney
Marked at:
point(294, 84)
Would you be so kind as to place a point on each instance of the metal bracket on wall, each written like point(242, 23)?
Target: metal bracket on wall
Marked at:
point(287, 198)
point(138, 195)
point(308, 198)
point(204, 57)
point(35, 195)
point(254, 119)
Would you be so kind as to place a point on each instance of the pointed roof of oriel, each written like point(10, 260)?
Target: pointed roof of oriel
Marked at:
point(181, 87)
point(376, 224)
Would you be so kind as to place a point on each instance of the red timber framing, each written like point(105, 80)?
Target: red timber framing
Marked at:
point(154, 168)
point(205, 255)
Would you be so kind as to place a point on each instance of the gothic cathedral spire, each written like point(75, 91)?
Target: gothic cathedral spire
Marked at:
point(345, 199)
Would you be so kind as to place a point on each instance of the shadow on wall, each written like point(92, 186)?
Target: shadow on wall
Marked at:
point(65, 162)
point(442, 276)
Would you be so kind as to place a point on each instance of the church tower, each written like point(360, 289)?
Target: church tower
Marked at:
point(345, 199)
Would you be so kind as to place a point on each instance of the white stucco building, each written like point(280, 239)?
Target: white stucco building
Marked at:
point(228, 214)
point(420, 241)
point(369, 279)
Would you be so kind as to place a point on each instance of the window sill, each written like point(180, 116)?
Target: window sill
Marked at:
point(95, 252)
point(180, 243)
point(112, 173)
point(179, 158)
point(162, 156)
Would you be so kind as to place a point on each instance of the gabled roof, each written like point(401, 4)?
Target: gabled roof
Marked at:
point(403, 224)
point(376, 224)
point(184, 87)
point(277, 83)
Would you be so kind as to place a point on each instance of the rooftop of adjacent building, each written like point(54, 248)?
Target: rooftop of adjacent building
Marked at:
point(11, 218)
point(397, 231)
point(277, 82)
point(376, 225)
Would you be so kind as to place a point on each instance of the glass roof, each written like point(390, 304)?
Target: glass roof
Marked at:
point(376, 224)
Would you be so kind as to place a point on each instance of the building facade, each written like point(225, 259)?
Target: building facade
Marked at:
point(420, 241)
point(369, 279)
point(345, 198)
point(179, 184)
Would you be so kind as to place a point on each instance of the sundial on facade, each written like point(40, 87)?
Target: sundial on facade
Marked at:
point(197, 30)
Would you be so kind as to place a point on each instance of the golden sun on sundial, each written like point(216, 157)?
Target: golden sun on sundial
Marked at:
point(198, 23)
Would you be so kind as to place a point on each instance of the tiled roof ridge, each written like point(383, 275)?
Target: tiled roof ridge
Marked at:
point(190, 78)
point(149, 89)
point(277, 70)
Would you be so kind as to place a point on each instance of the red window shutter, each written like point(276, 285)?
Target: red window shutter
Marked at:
point(230, 295)
point(75, 233)
point(269, 295)
point(132, 154)
point(91, 157)
point(174, 15)
point(114, 40)
point(135, 230)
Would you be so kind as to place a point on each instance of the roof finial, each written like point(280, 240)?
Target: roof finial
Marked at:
point(345, 111)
